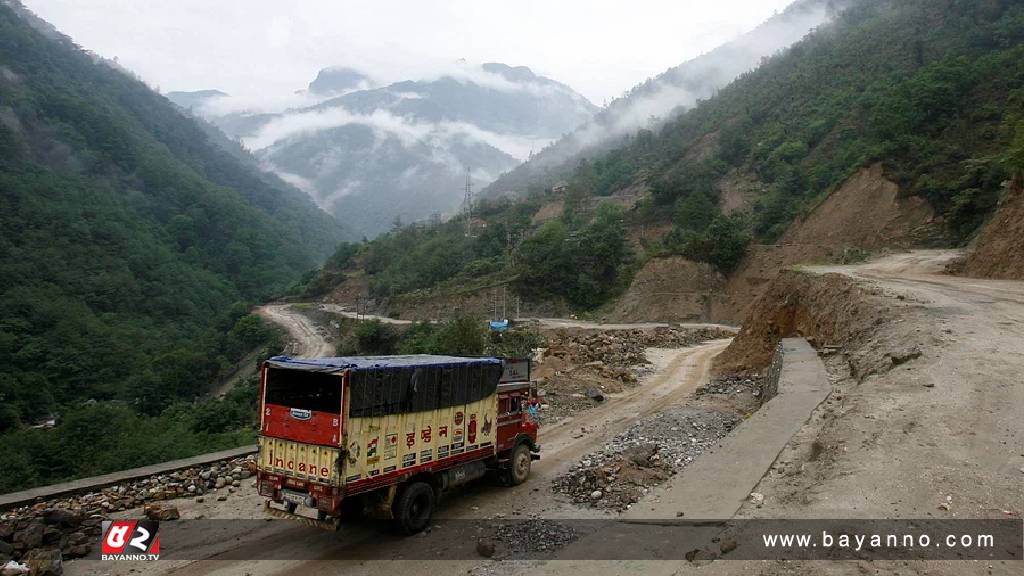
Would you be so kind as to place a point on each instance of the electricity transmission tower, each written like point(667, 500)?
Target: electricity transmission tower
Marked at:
point(469, 205)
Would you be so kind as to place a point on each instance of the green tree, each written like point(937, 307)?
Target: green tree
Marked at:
point(694, 213)
point(375, 338)
point(722, 244)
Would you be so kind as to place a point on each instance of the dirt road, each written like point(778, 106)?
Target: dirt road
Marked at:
point(938, 436)
point(307, 340)
point(677, 374)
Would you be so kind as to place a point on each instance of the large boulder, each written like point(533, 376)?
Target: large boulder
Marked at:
point(29, 537)
point(62, 518)
point(45, 563)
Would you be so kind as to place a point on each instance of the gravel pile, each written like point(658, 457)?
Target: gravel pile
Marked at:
point(752, 385)
point(555, 408)
point(529, 538)
point(645, 455)
point(617, 352)
point(72, 524)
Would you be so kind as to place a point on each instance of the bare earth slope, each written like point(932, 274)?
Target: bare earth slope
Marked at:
point(671, 289)
point(866, 213)
point(999, 252)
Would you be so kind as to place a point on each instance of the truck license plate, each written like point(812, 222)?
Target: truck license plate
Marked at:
point(293, 497)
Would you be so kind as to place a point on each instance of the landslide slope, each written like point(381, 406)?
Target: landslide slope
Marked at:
point(999, 250)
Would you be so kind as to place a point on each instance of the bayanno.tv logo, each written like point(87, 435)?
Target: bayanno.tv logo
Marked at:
point(130, 540)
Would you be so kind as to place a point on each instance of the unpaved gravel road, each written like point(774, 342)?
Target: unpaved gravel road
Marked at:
point(678, 372)
point(941, 436)
point(307, 341)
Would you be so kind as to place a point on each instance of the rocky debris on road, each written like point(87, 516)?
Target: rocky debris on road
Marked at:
point(614, 352)
point(742, 393)
point(161, 512)
point(579, 368)
point(752, 385)
point(72, 525)
point(516, 539)
point(645, 455)
point(45, 563)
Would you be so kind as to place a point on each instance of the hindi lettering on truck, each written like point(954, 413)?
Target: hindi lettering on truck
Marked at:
point(385, 436)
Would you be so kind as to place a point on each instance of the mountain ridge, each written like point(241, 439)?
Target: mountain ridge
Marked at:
point(403, 150)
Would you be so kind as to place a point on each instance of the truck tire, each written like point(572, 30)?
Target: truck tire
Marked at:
point(413, 507)
point(291, 507)
point(519, 465)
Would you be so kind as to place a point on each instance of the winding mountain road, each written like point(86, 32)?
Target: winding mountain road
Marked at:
point(307, 340)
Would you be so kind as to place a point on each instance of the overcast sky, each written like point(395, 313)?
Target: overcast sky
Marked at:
point(266, 49)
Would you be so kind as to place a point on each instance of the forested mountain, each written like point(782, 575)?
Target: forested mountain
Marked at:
point(651, 103)
point(129, 245)
point(931, 91)
point(370, 156)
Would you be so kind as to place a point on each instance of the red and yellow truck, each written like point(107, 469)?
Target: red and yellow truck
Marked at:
point(387, 435)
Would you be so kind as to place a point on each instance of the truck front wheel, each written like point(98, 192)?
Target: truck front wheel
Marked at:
point(413, 507)
point(519, 469)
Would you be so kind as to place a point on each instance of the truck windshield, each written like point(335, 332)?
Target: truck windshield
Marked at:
point(305, 390)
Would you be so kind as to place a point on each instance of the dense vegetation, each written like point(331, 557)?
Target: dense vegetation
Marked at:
point(129, 247)
point(935, 91)
point(582, 257)
point(461, 335)
point(577, 257)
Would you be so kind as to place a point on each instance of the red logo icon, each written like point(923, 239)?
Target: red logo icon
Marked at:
point(130, 540)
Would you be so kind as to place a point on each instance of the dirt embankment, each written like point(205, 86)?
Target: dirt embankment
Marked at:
point(866, 214)
point(999, 251)
point(830, 310)
point(671, 289)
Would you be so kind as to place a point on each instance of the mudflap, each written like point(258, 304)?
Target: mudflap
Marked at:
point(332, 525)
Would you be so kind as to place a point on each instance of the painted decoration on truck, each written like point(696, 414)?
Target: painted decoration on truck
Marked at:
point(391, 449)
point(371, 451)
point(300, 460)
point(392, 443)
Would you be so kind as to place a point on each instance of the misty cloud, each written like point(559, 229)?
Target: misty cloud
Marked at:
point(385, 124)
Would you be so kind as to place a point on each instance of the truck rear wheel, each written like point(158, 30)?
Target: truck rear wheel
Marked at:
point(519, 469)
point(413, 508)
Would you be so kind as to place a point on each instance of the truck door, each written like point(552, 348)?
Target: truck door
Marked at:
point(303, 406)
